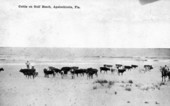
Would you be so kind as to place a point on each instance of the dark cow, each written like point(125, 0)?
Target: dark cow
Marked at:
point(29, 72)
point(121, 71)
point(1, 69)
point(105, 69)
point(75, 68)
point(48, 72)
point(73, 71)
point(148, 67)
point(110, 67)
point(65, 70)
point(90, 72)
point(128, 67)
point(55, 69)
point(165, 73)
point(134, 66)
point(79, 72)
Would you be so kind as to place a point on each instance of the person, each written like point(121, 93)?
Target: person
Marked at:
point(166, 67)
point(28, 64)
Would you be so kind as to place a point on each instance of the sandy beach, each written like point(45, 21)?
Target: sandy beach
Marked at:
point(133, 88)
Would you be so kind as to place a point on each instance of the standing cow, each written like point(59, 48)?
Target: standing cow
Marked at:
point(90, 72)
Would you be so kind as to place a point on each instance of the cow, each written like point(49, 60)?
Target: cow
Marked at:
point(118, 65)
point(128, 67)
point(1, 69)
point(48, 72)
point(110, 67)
point(55, 69)
point(75, 68)
point(134, 66)
point(65, 70)
point(121, 70)
point(148, 67)
point(90, 72)
point(79, 72)
point(165, 73)
point(29, 72)
point(105, 69)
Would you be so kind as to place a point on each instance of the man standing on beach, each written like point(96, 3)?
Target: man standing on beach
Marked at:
point(28, 64)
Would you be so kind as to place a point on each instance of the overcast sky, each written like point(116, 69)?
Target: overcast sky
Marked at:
point(98, 23)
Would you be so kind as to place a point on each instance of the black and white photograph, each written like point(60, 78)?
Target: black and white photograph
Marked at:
point(85, 53)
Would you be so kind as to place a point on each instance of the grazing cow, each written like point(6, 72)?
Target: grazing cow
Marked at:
point(148, 67)
point(90, 72)
point(165, 73)
point(29, 72)
point(1, 69)
point(105, 69)
point(48, 72)
point(128, 67)
point(134, 66)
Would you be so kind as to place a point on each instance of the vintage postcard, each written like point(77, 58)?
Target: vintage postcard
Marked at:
point(84, 52)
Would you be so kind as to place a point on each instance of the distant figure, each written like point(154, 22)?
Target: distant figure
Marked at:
point(166, 67)
point(28, 64)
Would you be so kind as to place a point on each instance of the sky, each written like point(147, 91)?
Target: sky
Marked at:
point(97, 24)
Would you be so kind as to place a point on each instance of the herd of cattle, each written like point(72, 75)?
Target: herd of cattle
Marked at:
point(76, 71)
point(90, 72)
